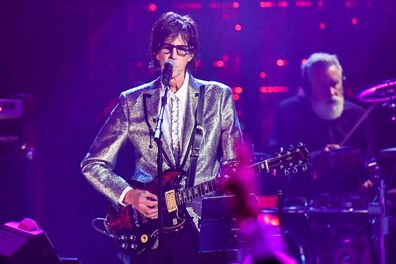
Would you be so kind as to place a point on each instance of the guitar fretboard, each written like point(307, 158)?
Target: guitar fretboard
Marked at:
point(189, 194)
point(288, 159)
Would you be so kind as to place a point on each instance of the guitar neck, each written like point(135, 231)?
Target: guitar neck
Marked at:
point(189, 194)
point(283, 160)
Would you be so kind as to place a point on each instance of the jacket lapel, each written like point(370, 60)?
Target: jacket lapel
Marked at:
point(152, 98)
point(189, 118)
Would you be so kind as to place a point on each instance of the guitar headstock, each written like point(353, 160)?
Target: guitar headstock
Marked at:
point(290, 160)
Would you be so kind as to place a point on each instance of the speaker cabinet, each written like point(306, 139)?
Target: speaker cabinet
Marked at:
point(18, 246)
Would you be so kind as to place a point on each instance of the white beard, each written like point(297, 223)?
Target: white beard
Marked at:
point(330, 108)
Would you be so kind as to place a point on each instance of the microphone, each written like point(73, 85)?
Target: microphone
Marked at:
point(167, 72)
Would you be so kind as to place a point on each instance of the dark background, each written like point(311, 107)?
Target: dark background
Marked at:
point(69, 61)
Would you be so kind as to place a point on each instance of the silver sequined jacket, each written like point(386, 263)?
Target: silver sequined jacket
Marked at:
point(133, 119)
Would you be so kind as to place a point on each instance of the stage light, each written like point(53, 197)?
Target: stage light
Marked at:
point(283, 4)
point(303, 3)
point(322, 25)
point(273, 89)
point(281, 62)
point(262, 75)
point(197, 64)
point(303, 61)
point(190, 6)
point(236, 97)
point(354, 21)
point(238, 27)
point(235, 4)
point(268, 219)
point(152, 7)
point(266, 4)
point(218, 64)
point(237, 90)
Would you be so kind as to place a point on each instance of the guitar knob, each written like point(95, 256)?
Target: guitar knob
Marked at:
point(133, 246)
point(124, 245)
point(132, 237)
point(123, 237)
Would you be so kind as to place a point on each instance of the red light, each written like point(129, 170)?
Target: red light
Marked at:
point(236, 97)
point(1, 109)
point(152, 7)
point(303, 61)
point(303, 3)
point(349, 4)
point(281, 62)
point(354, 21)
point(283, 4)
point(322, 25)
point(273, 89)
point(197, 64)
point(188, 6)
point(218, 64)
point(263, 75)
point(266, 4)
point(268, 219)
point(238, 27)
point(214, 5)
point(235, 4)
point(237, 90)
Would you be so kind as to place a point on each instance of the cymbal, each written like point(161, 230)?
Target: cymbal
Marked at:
point(388, 152)
point(380, 92)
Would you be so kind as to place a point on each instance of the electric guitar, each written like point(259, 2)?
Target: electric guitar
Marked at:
point(135, 233)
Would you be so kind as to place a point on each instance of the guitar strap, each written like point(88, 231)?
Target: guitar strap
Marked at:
point(197, 138)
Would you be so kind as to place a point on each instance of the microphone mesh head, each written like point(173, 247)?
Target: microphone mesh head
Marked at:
point(167, 72)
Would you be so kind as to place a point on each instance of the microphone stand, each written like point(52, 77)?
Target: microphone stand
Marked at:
point(157, 139)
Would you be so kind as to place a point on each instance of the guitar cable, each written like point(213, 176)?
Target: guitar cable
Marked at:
point(104, 231)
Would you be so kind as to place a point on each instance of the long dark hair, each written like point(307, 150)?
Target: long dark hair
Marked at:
point(169, 26)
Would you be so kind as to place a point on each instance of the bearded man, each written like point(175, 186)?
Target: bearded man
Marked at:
point(322, 119)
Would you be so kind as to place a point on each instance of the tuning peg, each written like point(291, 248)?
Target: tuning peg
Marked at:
point(281, 150)
point(286, 171)
point(300, 144)
point(304, 168)
point(291, 148)
point(294, 171)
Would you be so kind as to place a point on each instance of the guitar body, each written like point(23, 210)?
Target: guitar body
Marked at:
point(133, 232)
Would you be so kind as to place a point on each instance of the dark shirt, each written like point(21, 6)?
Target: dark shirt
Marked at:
point(340, 170)
point(296, 121)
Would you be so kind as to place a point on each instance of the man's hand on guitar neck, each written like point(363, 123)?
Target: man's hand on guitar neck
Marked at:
point(144, 201)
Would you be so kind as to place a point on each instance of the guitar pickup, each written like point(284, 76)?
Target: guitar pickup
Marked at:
point(170, 200)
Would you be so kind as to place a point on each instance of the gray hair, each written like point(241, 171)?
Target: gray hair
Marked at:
point(319, 59)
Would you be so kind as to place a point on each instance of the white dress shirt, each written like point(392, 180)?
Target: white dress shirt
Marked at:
point(167, 133)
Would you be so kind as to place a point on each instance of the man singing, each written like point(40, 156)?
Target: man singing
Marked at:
point(174, 41)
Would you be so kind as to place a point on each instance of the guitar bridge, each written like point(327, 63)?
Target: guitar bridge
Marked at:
point(170, 200)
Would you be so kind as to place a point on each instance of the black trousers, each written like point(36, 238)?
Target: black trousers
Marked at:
point(179, 248)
